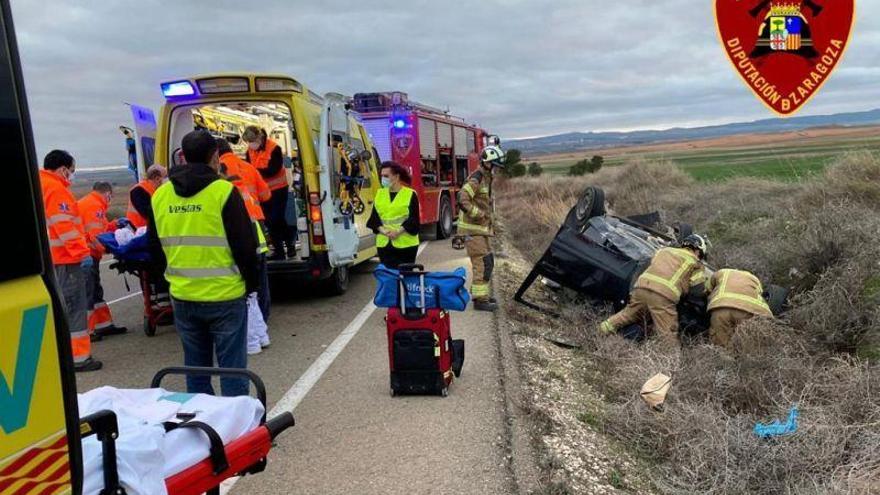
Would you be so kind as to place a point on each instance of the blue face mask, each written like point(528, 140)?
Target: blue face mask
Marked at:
point(386, 182)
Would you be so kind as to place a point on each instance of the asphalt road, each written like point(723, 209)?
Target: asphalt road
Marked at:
point(351, 436)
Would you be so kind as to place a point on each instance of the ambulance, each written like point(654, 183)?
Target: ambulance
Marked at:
point(312, 130)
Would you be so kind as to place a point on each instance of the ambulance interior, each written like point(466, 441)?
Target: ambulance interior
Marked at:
point(228, 120)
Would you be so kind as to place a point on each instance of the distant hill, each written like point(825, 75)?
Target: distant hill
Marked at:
point(576, 141)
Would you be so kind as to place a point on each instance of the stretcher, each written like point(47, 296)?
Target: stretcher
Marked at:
point(244, 455)
point(134, 259)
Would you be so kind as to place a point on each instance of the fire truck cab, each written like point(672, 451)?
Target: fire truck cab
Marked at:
point(440, 150)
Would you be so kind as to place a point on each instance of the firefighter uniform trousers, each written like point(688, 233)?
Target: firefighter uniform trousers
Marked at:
point(479, 250)
point(662, 311)
point(723, 324)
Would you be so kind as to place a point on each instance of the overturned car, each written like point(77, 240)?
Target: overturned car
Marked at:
point(601, 256)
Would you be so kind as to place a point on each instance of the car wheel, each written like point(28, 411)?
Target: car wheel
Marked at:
point(444, 220)
point(590, 204)
point(337, 284)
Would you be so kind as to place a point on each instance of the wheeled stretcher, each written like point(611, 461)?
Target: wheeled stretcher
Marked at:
point(243, 455)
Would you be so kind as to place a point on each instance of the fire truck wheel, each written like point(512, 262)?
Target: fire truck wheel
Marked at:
point(444, 219)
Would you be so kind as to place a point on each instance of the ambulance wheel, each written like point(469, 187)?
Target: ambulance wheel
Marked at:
point(149, 328)
point(444, 219)
point(337, 284)
point(444, 392)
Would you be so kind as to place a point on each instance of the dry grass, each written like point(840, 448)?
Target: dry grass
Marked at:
point(820, 237)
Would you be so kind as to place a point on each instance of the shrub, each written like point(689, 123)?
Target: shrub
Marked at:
point(535, 169)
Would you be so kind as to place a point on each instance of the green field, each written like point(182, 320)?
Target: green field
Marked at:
point(790, 160)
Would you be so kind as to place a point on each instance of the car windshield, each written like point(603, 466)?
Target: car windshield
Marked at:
point(613, 234)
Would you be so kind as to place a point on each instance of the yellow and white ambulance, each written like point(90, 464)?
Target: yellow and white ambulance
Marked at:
point(308, 127)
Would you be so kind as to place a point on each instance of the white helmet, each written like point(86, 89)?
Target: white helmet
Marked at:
point(493, 155)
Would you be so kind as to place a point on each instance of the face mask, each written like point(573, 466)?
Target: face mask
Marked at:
point(254, 146)
point(386, 182)
point(71, 176)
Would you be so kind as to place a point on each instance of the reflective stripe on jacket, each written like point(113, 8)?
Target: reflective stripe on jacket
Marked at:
point(67, 240)
point(393, 214)
point(670, 273)
point(132, 214)
point(475, 205)
point(93, 211)
point(737, 289)
point(236, 174)
point(200, 263)
point(260, 160)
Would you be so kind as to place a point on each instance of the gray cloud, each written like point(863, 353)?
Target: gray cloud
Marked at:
point(519, 68)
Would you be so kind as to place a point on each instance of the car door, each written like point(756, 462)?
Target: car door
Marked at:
point(144, 137)
point(340, 230)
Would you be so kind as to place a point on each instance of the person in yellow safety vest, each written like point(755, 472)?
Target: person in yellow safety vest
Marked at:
point(395, 218)
point(475, 223)
point(93, 210)
point(201, 231)
point(734, 296)
point(659, 289)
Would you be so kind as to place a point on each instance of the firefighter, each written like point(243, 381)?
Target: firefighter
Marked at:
point(735, 296)
point(70, 254)
point(476, 225)
point(659, 289)
point(93, 210)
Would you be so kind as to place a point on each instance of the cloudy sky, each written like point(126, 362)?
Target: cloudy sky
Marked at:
point(519, 68)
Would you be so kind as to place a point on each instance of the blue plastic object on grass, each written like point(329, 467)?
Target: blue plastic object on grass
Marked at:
point(777, 429)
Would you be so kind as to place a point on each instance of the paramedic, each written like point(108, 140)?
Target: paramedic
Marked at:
point(139, 210)
point(201, 231)
point(139, 195)
point(93, 211)
point(735, 296)
point(252, 187)
point(476, 226)
point(395, 218)
point(660, 287)
point(70, 253)
point(268, 158)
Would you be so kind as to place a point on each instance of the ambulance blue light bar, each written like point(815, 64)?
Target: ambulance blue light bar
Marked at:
point(178, 88)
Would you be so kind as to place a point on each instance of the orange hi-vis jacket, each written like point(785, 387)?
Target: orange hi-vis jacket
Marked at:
point(132, 214)
point(67, 240)
point(260, 160)
point(93, 211)
point(236, 174)
point(670, 273)
point(256, 184)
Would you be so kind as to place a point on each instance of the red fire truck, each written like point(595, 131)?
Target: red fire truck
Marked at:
point(439, 149)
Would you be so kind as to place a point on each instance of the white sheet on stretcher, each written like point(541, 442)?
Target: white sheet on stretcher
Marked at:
point(146, 455)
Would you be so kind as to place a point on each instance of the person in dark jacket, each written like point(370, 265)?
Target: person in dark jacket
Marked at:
point(200, 230)
point(395, 218)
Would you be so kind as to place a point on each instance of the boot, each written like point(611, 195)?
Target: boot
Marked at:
point(111, 330)
point(90, 364)
point(95, 337)
point(485, 305)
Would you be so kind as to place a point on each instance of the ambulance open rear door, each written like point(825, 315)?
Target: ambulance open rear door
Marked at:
point(39, 429)
point(340, 230)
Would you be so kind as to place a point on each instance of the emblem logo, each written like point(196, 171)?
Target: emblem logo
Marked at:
point(784, 50)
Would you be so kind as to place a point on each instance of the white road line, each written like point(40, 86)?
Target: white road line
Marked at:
point(304, 384)
point(123, 298)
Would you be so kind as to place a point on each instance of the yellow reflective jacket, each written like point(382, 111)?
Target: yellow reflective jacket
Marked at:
point(475, 205)
point(737, 289)
point(670, 273)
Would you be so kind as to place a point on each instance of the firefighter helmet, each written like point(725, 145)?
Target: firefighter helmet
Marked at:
point(493, 155)
point(697, 242)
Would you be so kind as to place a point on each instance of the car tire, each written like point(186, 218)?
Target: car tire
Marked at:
point(337, 283)
point(444, 219)
point(591, 203)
